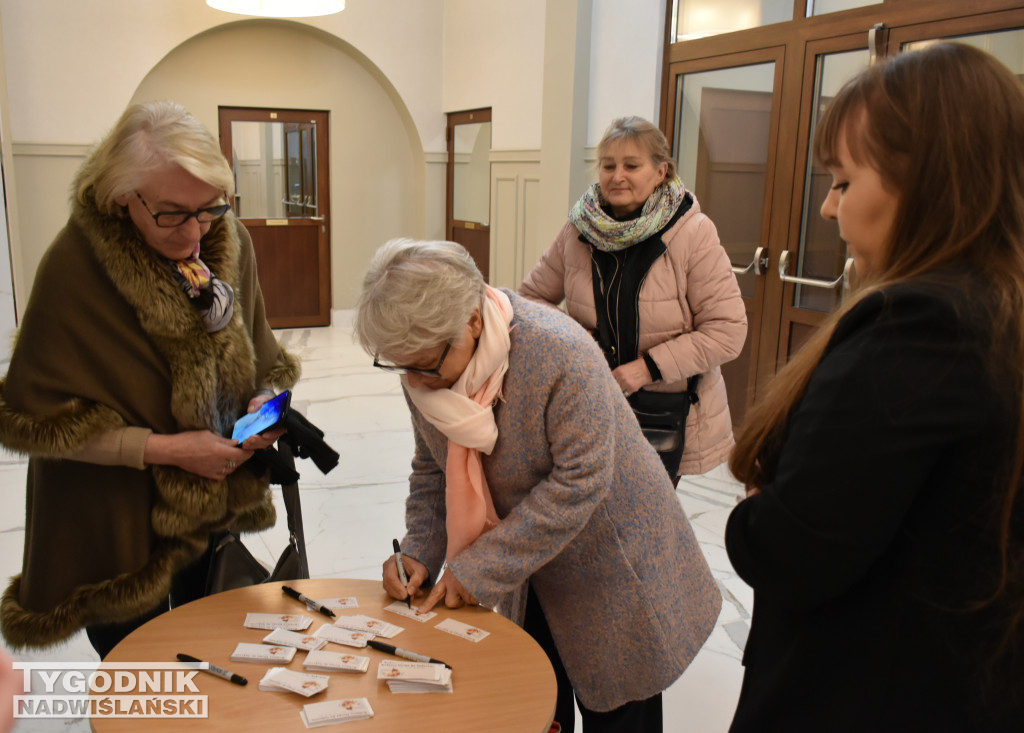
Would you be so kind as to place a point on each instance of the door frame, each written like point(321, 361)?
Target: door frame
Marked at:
point(322, 221)
point(480, 231)
point(904, 20)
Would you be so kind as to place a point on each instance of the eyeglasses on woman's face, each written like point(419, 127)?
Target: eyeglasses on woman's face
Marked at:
point(169, 219)
point(399, 369)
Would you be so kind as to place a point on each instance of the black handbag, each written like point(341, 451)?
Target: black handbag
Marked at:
point(662, 417)
point(233, 566)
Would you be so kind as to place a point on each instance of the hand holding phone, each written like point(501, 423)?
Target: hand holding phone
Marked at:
point(270, 415)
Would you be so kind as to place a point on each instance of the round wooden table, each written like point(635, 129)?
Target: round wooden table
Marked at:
point(502, 683)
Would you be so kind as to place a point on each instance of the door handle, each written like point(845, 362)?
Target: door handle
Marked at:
point(843, 279)
point(759, 264)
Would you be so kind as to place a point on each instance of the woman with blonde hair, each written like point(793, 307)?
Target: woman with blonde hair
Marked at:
point(642, 269)
point(143, 341)
point(882, 529)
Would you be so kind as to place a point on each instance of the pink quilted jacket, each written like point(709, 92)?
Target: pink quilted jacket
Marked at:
point(692, 320)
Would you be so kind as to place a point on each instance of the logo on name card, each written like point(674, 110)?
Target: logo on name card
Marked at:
point(109, 690)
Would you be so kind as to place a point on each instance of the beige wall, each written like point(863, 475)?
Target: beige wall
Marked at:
point(388, 70)
point(72, 67)
point(376, 161)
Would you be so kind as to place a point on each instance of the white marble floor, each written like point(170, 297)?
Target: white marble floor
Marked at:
point(352, 513)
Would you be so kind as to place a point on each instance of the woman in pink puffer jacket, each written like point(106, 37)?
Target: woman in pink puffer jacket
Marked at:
point(637, 242)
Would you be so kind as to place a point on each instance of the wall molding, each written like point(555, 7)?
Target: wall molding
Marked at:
point(515, 156)
point(50, 150)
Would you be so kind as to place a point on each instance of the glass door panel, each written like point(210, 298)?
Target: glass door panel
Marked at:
point(275, 169)
point(724, 128)
point(821, 259)
point(700, 18)
point(723, 125)
point(815, 269)
point(1007, 46)
point(824, 7)
point(999, 33)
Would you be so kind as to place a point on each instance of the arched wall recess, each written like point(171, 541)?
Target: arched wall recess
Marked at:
point(377, 164)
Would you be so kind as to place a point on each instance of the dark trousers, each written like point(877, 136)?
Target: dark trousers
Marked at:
point(187, 585)
point(641, 716)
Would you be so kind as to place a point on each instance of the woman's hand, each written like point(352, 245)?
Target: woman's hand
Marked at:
point(415, 571)
point(631, 376)
point(196, 451)
point(451, 590)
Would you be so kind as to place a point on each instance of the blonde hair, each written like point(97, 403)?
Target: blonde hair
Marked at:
point(645, 134)
point(146, 139)
point(416, 295)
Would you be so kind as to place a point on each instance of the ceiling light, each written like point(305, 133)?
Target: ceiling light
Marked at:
point(279, 8)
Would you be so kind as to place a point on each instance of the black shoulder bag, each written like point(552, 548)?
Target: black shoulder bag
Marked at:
point(231, 563)
point(662, 415)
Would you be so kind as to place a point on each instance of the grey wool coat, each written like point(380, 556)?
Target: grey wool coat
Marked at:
point(588, 517)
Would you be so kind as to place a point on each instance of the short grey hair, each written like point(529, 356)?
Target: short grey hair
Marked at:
point(643, 133)
point(416, 295)
point(148, 138)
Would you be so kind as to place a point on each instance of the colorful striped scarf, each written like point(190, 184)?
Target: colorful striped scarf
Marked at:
point(611, 235)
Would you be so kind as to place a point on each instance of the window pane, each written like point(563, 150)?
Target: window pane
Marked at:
point(1007, 46)
point(823, 7)
point(723, 119)
point(275, 169)
point(822, 254)
point(699, 18)
point(472, 185)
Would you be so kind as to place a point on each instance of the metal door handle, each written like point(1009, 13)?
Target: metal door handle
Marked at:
point(843, 279)
point(759, 264)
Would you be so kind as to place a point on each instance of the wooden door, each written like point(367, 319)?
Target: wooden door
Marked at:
point(798, 271)
point(468, 206)
point(282, 195)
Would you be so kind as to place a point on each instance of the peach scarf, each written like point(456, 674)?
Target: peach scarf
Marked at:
point(464, 413)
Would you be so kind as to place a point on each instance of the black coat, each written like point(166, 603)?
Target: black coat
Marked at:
point(878, 529)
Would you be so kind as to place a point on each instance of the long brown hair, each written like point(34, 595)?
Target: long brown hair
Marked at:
point(944, 127)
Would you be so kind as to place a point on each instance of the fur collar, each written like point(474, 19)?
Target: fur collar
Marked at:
point(212, 377)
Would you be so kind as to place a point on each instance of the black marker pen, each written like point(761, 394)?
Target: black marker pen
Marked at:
point(404, 653)
point(215, 670)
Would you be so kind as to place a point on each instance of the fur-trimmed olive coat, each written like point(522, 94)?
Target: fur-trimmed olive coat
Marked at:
point(108, 341)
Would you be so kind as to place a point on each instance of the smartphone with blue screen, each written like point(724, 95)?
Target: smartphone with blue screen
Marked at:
point(270, 415)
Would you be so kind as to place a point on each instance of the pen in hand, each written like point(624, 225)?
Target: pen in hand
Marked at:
point(401, 572)
point(308, 601)
point(214, 670)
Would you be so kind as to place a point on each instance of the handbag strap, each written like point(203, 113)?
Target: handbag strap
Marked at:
point(293, 507)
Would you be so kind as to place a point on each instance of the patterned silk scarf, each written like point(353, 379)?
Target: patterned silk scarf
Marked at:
point(213, 298)
point(464, 413)
point(195, 272)
point(611, 235)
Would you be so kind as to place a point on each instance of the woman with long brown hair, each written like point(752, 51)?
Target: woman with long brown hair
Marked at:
point(881, 530)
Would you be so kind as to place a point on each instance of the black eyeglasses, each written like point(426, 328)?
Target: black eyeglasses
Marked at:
point(398, 369)
point(168, 219)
